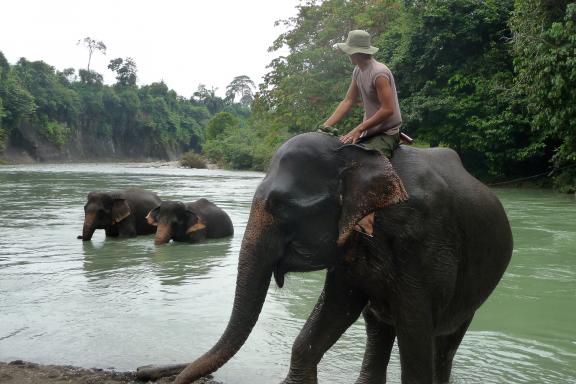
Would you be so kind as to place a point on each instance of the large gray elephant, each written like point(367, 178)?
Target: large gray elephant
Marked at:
point(439, 244)
point(119, 213)
point(190, 222)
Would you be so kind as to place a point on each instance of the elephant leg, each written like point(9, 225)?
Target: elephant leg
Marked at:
point(445, 349)
point(126, 228)
point(111, 231)
point(338, 307)
point(414, 332)
point(379, 341)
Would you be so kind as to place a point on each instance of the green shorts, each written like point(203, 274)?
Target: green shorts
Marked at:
point(383, 143)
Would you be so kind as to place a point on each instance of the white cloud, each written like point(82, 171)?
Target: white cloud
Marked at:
point(184, 43)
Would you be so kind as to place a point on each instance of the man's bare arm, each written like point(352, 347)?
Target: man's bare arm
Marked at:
point(345, 105)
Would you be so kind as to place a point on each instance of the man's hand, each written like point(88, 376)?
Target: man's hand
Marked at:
point(352, 136)
point(327, 129)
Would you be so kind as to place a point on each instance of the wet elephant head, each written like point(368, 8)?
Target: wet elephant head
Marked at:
point(102, 211)
point(174, 220)
point(303, 212)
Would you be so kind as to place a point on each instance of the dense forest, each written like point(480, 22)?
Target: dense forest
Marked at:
point(63, 115)
point(495, 80)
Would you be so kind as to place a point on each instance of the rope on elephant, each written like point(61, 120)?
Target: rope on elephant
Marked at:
point(547, 173)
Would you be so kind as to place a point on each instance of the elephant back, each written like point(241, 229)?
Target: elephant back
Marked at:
point(218, 223)
point(141, 202)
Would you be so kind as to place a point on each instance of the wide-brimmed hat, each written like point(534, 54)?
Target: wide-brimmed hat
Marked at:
point(357, 42)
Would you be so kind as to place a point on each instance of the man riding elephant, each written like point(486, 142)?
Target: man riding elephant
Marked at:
point(374, 83)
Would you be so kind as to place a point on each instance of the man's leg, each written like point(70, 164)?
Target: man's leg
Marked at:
point(383, 143)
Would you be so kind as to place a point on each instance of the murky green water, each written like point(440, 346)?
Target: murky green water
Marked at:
point(125, 303)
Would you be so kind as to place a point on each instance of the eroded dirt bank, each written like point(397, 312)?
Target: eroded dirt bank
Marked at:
point(23, 372)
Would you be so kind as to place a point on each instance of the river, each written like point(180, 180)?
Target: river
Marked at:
point(123, 303)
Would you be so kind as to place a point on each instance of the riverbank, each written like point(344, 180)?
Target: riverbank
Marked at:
point(135, 163)
point(23, 372)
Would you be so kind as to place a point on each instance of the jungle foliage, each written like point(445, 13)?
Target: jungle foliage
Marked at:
point(493, 79)
point(63, 106)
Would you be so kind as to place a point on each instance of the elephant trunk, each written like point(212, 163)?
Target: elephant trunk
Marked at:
point(255, 267)
point(89, 226)
point(163, 234)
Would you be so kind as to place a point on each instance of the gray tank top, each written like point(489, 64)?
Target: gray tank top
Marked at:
point(366, 81)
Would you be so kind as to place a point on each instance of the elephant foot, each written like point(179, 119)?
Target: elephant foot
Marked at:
point(371, 381)
point(305, 377)
point(292, 381)
point(376, 376)
point(155, 372)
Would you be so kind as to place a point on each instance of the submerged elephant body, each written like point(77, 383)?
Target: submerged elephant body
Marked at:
point(189, 222)
point(119, 213)
point(441, 242)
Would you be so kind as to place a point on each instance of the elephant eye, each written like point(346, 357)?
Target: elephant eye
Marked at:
point(281, 209)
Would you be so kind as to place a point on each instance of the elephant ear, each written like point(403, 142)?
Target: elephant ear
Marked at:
point(120, 210)
point(367, 183)
point(196, 223)
point(152, 217)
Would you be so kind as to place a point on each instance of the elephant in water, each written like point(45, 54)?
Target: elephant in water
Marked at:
point(190, 222)
point(119, 213)
point(439, 244)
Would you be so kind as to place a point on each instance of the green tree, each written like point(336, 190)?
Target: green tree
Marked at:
point(208, 98)
point(456, 88)
point(90, 77)
point(67, 76)
point(57, 106)
point(4, 68)
point(54, 100)
point(125, 71)
point(93, 119)
point(171, 120)
point(545, 61)
point(234, 150)
point(241, 86)
point(220, 124)
point(92, 46)
point(231, 143)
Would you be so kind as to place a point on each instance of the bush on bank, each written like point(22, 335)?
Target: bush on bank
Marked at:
point(192, 160)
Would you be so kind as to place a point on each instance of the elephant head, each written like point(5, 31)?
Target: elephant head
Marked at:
point(174, 221)
point(103, 210)
point(302, 214)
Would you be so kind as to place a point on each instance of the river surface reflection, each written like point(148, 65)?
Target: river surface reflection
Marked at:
point(124, 303)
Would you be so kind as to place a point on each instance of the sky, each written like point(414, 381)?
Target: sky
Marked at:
point(182, 42)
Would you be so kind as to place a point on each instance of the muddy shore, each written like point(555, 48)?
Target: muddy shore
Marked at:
point(23, 372)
